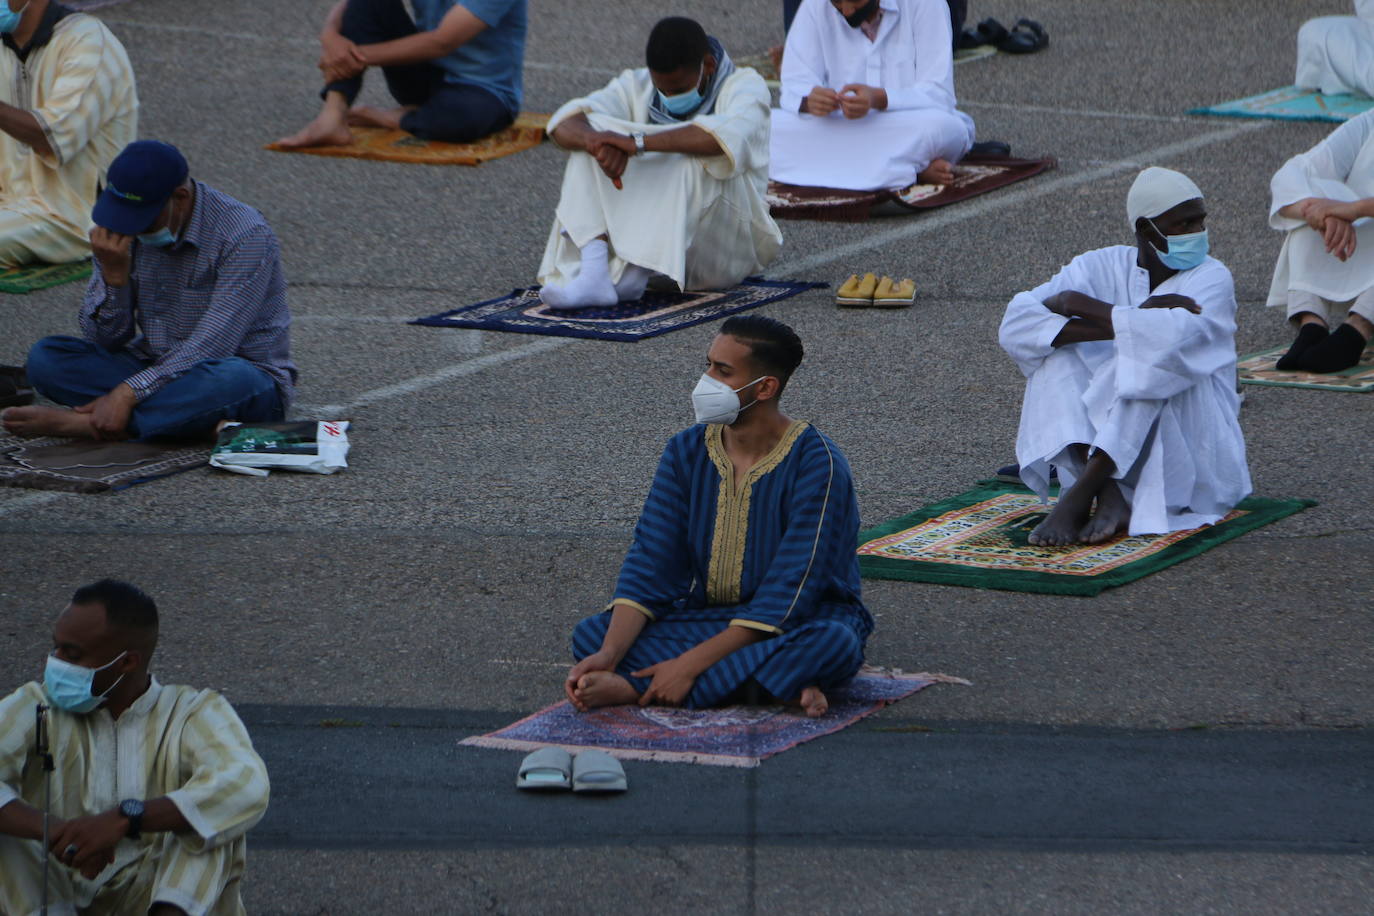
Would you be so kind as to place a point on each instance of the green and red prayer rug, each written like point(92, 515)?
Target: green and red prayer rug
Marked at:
point(1258, 369)
point(732, 736)
point(33, 277)
point(1291, 104)
point(979, 539)
point(522, 311)
point(973, 175)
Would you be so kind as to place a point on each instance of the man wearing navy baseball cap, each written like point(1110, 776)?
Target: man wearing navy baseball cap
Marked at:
point(67, 107)
point(184, 323)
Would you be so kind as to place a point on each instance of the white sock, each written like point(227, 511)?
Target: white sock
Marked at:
point(632, 282)
point(591, 287)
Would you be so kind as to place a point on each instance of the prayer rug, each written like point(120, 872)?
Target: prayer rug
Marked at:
point(33, 277)
point(654, 313)
point(974, 175)
point(732, 736)
point(398, 146)
point(978, 539)
point(1258, 369)
point(1291, 104)
point(78, 466)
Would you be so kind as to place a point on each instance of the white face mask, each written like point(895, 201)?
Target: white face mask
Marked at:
point(715, 402)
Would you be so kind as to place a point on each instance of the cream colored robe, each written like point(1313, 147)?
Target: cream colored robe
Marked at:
point(701, 221)
point(80, 87)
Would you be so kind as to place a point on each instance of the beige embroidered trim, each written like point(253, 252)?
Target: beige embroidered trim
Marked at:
point(726, 570)
point(634, 604)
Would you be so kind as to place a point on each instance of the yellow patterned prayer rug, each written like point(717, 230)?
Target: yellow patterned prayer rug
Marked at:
point(979, 539)
point(398, 146)
point(1258, 369)
point(32, 277)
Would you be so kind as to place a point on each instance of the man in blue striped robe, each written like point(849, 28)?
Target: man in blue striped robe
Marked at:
point(742, 579)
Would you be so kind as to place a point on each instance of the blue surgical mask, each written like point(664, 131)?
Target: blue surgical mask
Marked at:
point(684, 102)
point(68, 686)
point(9, 20)
point(159, 239)
point(1185, 251)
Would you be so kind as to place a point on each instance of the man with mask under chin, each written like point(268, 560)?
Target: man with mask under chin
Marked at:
point(667, 175)
point(154, 786)
point(184, 323)
point(1129, 354)
point(742, 583)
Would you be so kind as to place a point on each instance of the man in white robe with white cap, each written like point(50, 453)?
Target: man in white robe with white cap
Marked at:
point(668, 175)
point(1130, 363)
point(1336, 53)
point(1324, 276)
point(868, 97)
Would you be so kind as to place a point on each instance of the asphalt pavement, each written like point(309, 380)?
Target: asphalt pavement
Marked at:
point(1195, 742)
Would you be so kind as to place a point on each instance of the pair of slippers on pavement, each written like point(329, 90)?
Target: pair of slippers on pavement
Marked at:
point(869, 291)
point(1026, 37)
point(554, 769)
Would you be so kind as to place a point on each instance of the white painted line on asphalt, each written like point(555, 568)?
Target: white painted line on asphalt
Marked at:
point(1083, 112)
point(523, 663)
point(213, 33)
point(30, 501)
point(934, 222)
point(448, 373)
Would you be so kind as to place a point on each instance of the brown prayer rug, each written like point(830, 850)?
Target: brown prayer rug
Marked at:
point(81, 466)
point(974, 175)
point(398, 146)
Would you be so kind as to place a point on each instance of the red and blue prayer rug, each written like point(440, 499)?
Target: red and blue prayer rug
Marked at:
point(979, 539)
point(732, 736)
point(655, 313)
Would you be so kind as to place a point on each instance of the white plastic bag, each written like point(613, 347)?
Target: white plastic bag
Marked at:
point(313, 446)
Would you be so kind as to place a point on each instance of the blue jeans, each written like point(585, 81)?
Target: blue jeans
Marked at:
point(73, 372)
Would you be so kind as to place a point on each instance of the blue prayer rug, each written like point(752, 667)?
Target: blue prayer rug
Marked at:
point(654, 313)
point(732, 736)
point(1291, 104)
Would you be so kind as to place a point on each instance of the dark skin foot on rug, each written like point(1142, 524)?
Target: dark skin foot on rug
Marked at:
point(1111, 517)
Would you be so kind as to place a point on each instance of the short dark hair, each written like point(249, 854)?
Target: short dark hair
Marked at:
point(127, 607)
point(674, 43)
point(772, 345)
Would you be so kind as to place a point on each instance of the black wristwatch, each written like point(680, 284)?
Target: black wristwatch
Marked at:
point(132, 808)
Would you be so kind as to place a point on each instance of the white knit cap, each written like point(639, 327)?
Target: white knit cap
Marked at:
point(1157, 190)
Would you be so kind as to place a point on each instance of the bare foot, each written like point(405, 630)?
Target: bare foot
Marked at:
point(1112, 516)
point(1062, 526)
point(812, 702)
point(938, 172)
point(372, 116)
point(31, 422)
point(604, 688)
point(328, 129)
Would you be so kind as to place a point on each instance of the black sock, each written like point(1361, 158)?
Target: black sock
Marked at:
point(1340, 350)
point(1309, 335)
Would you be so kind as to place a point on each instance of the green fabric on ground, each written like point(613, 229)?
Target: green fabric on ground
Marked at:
point(1291, 104)
point(33, 277)
point(978, 539)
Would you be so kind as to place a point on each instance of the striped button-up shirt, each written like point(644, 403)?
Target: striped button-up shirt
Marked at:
point(217, 292)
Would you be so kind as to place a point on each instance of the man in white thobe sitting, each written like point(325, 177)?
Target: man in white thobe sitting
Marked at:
point(1130, 362)
point(868, 97)
point(1336, 53)
point(667, 176)
point(1323, 199)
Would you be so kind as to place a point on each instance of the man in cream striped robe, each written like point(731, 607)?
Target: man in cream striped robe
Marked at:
point(153, 790)
point(67, 106)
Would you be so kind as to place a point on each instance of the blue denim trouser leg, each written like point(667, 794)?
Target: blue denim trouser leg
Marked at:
point(73, 372)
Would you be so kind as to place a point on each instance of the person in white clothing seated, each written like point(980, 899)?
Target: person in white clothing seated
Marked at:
point(1336, 53)
point(868, 97)
point(1324, 275)
point(1130, 361)
point(668, 175)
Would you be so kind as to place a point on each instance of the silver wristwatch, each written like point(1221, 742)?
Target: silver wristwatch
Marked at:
point(639, 141)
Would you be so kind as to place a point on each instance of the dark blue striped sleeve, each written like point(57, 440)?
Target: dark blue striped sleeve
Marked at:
point(821, 530)
point(657, 570)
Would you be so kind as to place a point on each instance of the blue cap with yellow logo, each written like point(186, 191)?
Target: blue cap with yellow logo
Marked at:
point(139, 182)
